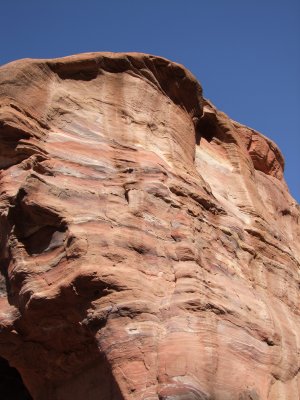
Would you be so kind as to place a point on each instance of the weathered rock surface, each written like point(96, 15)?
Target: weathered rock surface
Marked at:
point(149, 245)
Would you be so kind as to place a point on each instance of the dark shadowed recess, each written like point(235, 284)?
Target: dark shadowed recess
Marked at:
point(11, 384)
point(35, 227)
point(10, 136)
point(208, 128)
point(91, 382)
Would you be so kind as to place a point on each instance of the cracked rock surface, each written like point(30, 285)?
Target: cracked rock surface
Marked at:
point(149, 245)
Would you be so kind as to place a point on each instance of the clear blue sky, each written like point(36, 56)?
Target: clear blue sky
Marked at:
point(246, 53)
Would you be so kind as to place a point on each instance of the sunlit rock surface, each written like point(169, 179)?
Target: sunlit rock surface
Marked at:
point(149, 245)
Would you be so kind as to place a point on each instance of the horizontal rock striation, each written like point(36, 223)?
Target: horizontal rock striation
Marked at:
point(149, 245)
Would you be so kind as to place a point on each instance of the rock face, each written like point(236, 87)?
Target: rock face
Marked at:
point(149, 245)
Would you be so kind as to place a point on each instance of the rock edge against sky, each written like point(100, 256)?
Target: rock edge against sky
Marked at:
point(149, 245)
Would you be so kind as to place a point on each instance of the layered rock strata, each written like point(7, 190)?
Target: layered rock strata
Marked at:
point(149, 245)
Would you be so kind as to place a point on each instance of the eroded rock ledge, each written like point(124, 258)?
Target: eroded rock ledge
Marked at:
point(149, 244)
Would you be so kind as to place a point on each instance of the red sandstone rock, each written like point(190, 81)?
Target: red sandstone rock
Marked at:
point(149, 243)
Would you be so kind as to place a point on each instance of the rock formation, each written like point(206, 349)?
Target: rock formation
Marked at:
point(149, 245)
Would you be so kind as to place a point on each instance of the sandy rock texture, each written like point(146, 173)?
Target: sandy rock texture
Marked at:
point(149, 245)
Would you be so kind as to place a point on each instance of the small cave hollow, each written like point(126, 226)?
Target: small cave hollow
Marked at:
point(207, 128)
point(37, 228)
point(45, 239)
point(11, 383)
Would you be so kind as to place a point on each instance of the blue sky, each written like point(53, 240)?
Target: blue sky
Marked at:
point(245, 53)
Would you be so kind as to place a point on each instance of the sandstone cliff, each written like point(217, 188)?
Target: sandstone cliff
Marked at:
point(149, 245)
